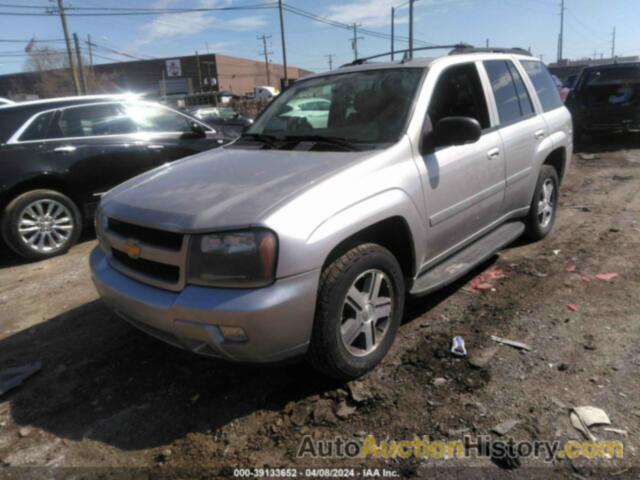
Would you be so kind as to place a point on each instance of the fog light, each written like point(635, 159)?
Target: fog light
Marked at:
point(233, 334)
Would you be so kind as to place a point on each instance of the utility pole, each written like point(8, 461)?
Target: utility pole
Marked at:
point(411, 2)
point(90, 48)
point(83, 79)
point(354, 41)
point(393, 32)
point(72, 66)
point(264, 39)
point(199, 71)
point(613, 43)
point(487, 43)
point(284, 46)
point(330, 57)
point(561, 35)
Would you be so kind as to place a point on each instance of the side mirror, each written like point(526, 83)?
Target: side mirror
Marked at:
point(197, 131)
point(450, 131)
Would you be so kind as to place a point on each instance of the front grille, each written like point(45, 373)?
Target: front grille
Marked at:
point(151, 236)
point(160, 271)
point(149, 255)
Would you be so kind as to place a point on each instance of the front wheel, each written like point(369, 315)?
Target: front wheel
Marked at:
point(41, 223)
point(360, 306)
point(544, 205)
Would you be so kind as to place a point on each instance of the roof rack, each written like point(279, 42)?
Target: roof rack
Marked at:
point(360, 61)
point(470, 49)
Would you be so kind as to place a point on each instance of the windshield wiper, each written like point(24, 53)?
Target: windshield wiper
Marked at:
point(268, 140)
point(337, 141)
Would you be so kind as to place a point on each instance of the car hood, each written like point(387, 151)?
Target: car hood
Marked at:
point(221, 188)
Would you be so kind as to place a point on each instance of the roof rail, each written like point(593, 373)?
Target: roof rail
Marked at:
point(469, 49)
point(360, 61)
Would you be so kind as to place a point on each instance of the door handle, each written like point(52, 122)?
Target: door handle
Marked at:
point(65, 148)
point(493, 153)
point(155, 147)
point(539, 134)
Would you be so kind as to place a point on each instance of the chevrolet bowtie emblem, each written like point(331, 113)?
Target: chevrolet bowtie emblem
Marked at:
point(132, 248)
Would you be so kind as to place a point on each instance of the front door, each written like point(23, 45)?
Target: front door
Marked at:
point(463, 185)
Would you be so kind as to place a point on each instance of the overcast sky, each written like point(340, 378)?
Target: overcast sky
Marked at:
point(525, 23)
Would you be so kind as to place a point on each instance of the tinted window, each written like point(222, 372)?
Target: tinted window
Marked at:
point(150, 118)
point(12, 118)
point(504, 91)
point(91, 120)
point(37, 130)
point(526, 107)
point(543, 83)
point(459, 93)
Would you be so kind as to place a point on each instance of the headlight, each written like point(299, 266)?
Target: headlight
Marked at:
point(242, 259)
point(100, 223)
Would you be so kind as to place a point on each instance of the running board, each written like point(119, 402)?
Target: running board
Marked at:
point(464, 261)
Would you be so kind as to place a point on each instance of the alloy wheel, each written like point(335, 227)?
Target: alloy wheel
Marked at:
point(367, 312)
point(45, 225)
point(546, 203)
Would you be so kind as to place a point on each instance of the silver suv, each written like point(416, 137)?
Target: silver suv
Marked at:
point(305, 235)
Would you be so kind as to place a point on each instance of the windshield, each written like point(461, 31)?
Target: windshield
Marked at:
point(611, 76)
point(368, 107)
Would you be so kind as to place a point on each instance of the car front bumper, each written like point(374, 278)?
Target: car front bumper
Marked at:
point(277, 320)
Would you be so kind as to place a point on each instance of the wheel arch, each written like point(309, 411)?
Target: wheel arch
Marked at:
point(48, 182)
point(557, 158)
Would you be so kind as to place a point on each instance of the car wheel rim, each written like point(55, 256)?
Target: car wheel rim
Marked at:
point(366, 313)
point(45, 226)
point(546, 203)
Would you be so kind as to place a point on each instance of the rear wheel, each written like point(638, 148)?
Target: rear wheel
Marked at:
point(360, 305)
point(544, 205)
point(41, 224)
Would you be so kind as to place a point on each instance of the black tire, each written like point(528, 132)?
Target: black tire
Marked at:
point(327, 352)
point(14, 211)
point(536, 228)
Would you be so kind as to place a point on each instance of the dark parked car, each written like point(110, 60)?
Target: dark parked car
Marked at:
point(57, 157)
point(606, 98)
point(224, 119)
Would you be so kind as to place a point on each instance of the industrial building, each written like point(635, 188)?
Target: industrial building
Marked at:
point(162, 76)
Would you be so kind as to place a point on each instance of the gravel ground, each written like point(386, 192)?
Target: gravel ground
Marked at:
point(112, 400)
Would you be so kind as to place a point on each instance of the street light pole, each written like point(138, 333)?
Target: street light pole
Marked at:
point(411, 2)
point(393, 28)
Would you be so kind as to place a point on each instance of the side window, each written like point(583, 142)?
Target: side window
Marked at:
point(459, 93)
point(38, 128)
point(526, 107)
point(150, 118)
point(91, 120)
point(506, 92)
point(543, 83)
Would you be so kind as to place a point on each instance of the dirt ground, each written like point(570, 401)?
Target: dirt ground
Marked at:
point(110, 399)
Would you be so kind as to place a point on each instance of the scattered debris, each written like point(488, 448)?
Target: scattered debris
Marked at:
point(13, 377)
point(482, 281)
point(584, 208)
point(511, 343)
point(457, 346)
point(344, 411)
point(622, 178)
point(572, 306)
point(584, 417)
point(439, 381)
point(481, 358)
point(606, 277)
point(588, 156)
point(323, 412)
point(359, 392)
point(558, 402)
point(504, 427)
point(556, 252)
point(24, 432)
point(300, 412)
point(619, 431)
point(570, 268)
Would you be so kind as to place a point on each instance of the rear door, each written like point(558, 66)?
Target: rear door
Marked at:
point(169, 135)
point(97, 147)
point(521, 130)
point(463, 185)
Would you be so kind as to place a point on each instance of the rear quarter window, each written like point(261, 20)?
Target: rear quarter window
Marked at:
point(543, 83)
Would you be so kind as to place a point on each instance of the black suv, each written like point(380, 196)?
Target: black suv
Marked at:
point(606, 98)
point(57, 157)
